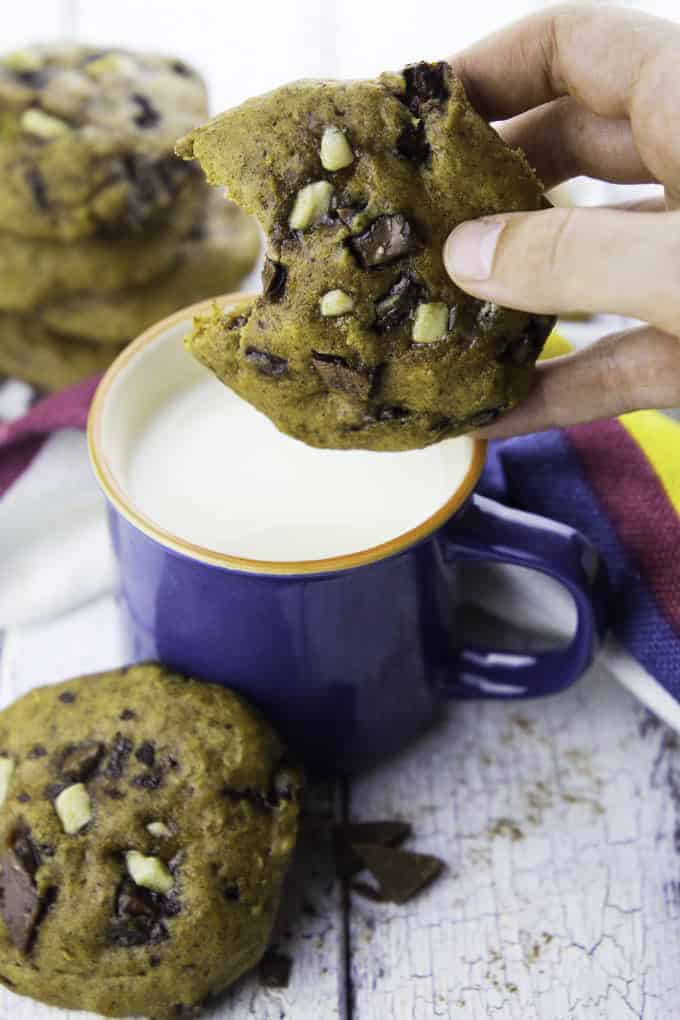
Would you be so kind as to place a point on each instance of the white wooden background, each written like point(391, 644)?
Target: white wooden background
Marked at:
point(559, 820)
point(247, 46)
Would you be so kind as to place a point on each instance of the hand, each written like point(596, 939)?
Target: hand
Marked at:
point(597, 92)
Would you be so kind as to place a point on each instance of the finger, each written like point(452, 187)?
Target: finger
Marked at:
point(596, 260)
point(628, 371)
point(593, 54)
point(616, 63)
point(563, 139)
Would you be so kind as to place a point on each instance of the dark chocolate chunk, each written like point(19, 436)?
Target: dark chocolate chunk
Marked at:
point(146, 753)
point(266, 363)
point(463, 322)
point(67, 697)
point(52, 791)
point(528, 346)
point(232, 892)
point(489, 316)
point(127, 714)
point(388, 238)
point(400, 874)
point(412, 143)
point(36, 185)
point(274, 969)
point(23, 798)
point(6, 981)
point(148, 115)
point(346, 211)
point(34, 79)
point(181, 68)
point(154, 181)
point(96, 55)
point(113, 792)
point(394, 307)
point(26, 849)
point(38, 751)
point(118, 758)
point(154, 961)
point(388, 413)
point(424, 83)
point(273, 279)
point(347, 834)
point(253, 797)
point(19, 900)
point(239, 322)
point(172, 906)
point(338, 374)
point(139, 916)
point(150, 780)
point(78, 762)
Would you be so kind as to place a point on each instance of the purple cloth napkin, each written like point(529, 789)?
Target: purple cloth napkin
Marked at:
point(21, 439)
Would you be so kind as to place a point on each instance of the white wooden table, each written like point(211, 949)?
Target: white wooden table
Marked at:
point(559, 821)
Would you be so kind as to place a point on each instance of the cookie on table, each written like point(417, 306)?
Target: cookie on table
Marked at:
point(37, 271)
point(141, 858)
point(214, 262)
point(46, 360)
point(86, 139)
point(360, 339)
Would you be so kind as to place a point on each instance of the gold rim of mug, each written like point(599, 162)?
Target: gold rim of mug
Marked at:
point(144, 524)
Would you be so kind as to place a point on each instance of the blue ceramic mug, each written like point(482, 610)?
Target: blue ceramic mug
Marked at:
point(323, 585)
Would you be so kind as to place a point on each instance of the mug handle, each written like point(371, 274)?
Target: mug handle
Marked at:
point(488, 531)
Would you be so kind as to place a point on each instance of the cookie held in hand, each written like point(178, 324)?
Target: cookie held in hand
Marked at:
point(146, 823)
point(360, 338)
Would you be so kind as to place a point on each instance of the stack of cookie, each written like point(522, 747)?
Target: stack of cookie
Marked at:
point(103, 230)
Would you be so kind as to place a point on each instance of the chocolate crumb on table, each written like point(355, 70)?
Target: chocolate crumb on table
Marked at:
point(275, 969)
point(375, 847)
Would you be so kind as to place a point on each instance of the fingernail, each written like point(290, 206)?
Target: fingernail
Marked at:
point(469, 250)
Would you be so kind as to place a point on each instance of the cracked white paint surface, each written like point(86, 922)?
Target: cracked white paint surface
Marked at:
point(560, 823)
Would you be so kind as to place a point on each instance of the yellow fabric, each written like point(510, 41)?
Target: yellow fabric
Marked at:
point(657, 436)
point(659, 439)
point(554, 346)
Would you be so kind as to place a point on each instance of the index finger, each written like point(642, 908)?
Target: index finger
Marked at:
point(615, 62)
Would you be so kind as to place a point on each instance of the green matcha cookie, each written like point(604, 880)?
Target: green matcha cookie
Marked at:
point(214, 263)
point(360, 338)
point(30, 351)
point(33, 272)
point(141, 858)
point(86, 139)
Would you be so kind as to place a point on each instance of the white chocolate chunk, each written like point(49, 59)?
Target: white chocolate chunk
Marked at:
point(336, 152)
point(43, 125)
point(431, 322)
point(336, 302)
point(23, 60)
point(6, 772)
point(74, 807)
point(159, 830)
point(111, 63)
point(311, 205)
point(149, 872)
